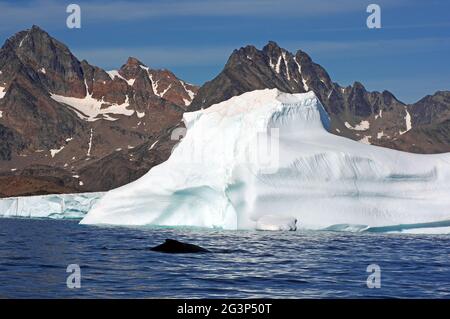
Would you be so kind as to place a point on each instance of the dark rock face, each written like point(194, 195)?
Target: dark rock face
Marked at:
point(46, 131)
point(171, 246)
point(430, 132)
point(376, 118)
point(431, 109)
point(104, 174)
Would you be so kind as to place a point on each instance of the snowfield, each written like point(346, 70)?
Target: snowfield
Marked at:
point(2, 92)
point(90, 109)
point(264, 159)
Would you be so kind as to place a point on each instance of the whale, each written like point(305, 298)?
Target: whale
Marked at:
point(172, 246)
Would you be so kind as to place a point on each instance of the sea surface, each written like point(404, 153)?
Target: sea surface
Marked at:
point(116, 262)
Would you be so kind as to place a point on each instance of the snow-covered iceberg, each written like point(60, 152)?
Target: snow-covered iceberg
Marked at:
point(49, 206)
point(268, 153)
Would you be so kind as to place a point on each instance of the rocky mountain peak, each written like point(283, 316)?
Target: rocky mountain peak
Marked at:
point(18, 40)
point(272, 67)
point(271, 46)
point(133, 68)
point(33, 55)
point(59, 116)
point(369, 117)
point(248, 50)
point(132, 61)
point(302, 57)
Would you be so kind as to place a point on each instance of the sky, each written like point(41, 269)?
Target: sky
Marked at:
point(408, 55)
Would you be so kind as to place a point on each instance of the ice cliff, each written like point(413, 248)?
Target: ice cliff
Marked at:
point(267, 155)
point(49, 206)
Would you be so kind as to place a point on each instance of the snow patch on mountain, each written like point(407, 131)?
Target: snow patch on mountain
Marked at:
point(165, 91)
point(277, 67)
point(90, 109)
point(189, 92)
point(286, 65)
point(408, 123)
point(363, 126)
point(154, 84)
point(53, 152)
point(140, 114)
point(113, 73)
point(305, 85)
point(2, 92)
point(90, 143)
point(379, 115)
point(153, 145)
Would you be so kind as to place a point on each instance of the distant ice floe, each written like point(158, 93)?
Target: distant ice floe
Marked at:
point(65, 206)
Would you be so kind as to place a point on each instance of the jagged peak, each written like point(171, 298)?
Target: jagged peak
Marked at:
point(271, 45)
point(270, 49)
point(441, 93)
point(358, 85)
point(37, 29)
point(388, 94)
point(302, 56)
point(247, 49)
point(134, 61)
point(36, 32)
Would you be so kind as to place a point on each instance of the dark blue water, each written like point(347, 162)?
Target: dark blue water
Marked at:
point(115, 262)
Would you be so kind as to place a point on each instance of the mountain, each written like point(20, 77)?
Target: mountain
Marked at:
point(430, 119)
point(59, 115)
point(68, 126)
point(377, 118)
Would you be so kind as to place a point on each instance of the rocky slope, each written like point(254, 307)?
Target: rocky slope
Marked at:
point(59, 115)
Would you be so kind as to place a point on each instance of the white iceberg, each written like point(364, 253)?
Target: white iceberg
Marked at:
point(222, 175)
point(49, 206)
point(275, 223)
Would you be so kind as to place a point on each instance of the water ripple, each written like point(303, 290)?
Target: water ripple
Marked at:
point(116, 262)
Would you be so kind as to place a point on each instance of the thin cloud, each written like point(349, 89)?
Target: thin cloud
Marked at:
point(52, 12)
point(372, 47)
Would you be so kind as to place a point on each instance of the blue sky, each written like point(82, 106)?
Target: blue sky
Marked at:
point(409, 55)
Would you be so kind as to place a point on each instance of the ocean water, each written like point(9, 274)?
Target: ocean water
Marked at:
point(116, 262)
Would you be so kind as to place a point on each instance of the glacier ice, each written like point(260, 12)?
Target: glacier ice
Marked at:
point(222, 175)
point(49, 206)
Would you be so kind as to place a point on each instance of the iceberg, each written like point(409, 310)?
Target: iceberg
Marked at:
point(266, 158)
point(64, 206)
point(275, 223)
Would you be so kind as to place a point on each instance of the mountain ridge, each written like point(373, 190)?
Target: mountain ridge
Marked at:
point(60, 115)
point(70, 126)
point(377, 118)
